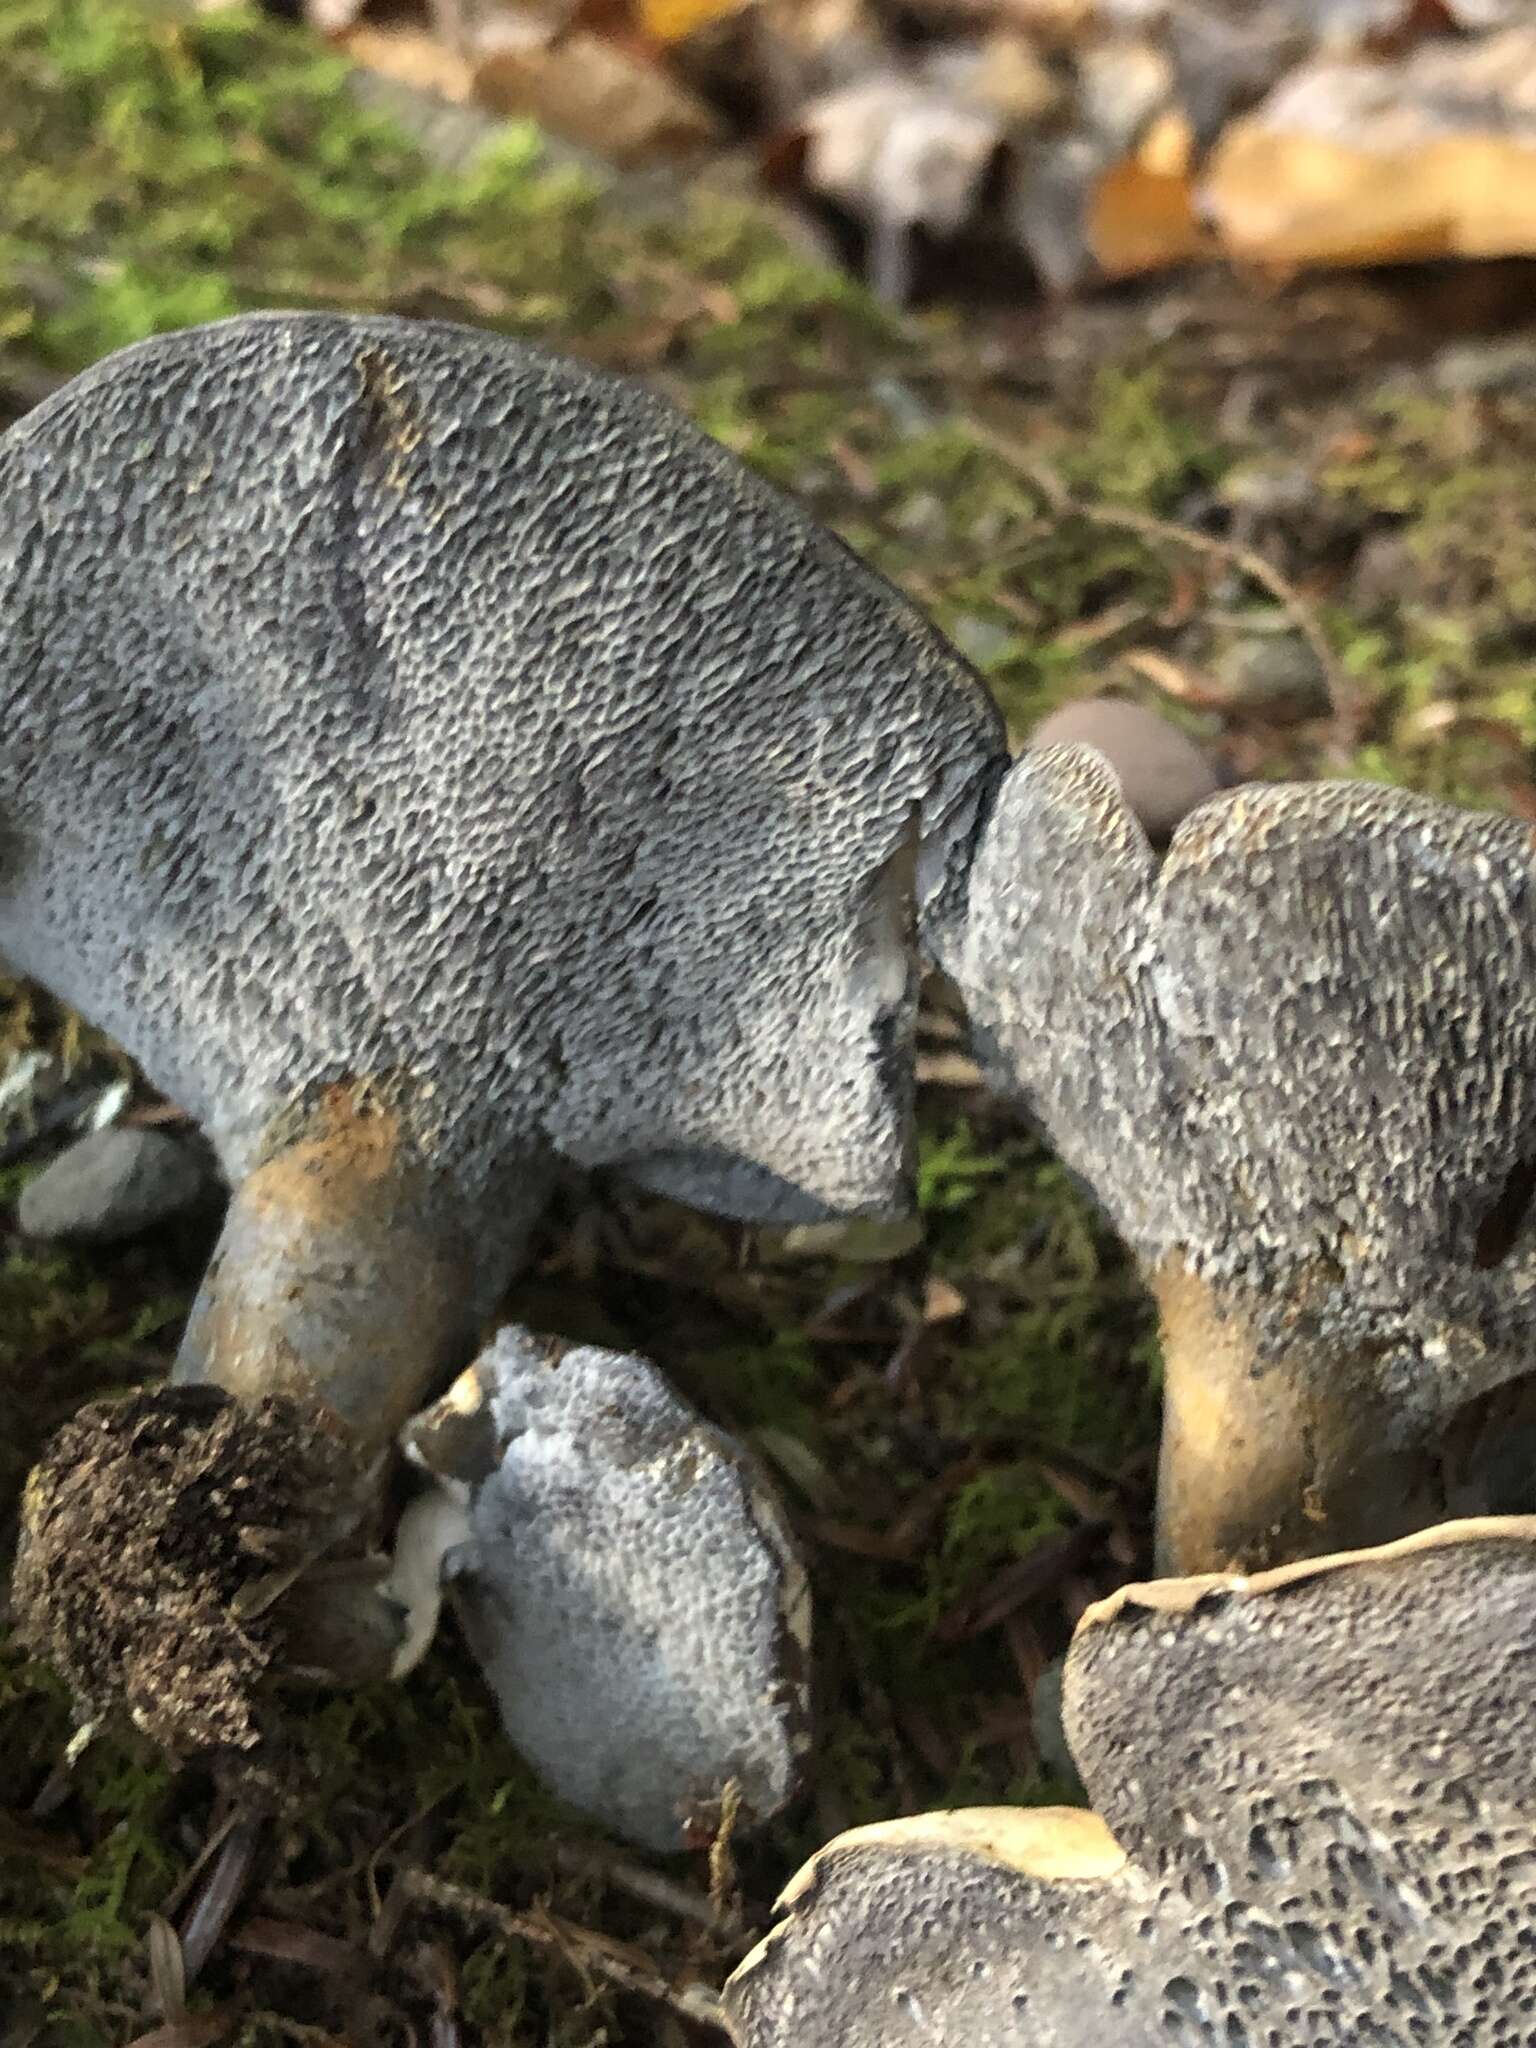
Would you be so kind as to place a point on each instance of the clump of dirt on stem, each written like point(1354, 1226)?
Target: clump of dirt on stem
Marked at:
point(150, 1528)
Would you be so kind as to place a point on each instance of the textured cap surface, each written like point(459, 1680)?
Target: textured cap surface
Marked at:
point(1317, 1827)
point(1297, 1063)
point(628, 1585)
point(391, 700)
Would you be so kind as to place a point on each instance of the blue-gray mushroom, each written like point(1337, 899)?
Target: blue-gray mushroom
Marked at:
point(437, 762)
point(626, 1579)
point(1314, 1823)
point(1296, 1061)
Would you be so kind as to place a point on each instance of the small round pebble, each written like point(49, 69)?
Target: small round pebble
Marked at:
point(1162, 772)
point(111, 1185)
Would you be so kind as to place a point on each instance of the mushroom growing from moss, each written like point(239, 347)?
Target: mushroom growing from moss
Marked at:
point(1297, 1063)
point(1314, 1823)
point(627, 1582)
point(434, 762)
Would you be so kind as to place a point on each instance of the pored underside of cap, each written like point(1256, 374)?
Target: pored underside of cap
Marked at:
point(1320, 1786)
point(629, 1587)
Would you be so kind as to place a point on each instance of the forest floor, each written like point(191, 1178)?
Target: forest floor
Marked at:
point(1298, 521)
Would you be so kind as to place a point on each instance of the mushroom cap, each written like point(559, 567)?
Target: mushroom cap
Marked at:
point(1317, 1826)
point(392, 702)
point(1299, 1055)
point(628, 1585)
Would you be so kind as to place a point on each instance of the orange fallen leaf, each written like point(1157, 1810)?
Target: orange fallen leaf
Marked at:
point(1292, 200)
point(1139, 220)
point(1351, 163)
point(1353, 444)
point(670, 21)
point(1141, 211)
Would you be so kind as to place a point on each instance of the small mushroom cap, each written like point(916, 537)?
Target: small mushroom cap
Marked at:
point(1297, 1063)
point(391, 700)
point(1314, 1823)
point(628, 1586)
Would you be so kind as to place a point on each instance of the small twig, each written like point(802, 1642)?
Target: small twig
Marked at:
point(1347, 708)
point(624, 1968)
point(1046, 1568)
point(576, 1859)
point(221, 1894)
point(722, 1864)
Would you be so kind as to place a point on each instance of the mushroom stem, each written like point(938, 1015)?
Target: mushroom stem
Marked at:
point(1269, 1457)
point(348, 1274)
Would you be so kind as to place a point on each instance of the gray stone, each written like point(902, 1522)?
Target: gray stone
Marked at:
point(1275, 676)
point(113, 1184)
point(1163, 773)
point(1386, 573)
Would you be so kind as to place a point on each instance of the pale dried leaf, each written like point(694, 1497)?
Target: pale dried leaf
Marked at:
point(596, 92)
point(411, 57)
point(167, 1967)
point(1123, 83)
point(1014, 82)
point(947, 1070)
point(900, 149)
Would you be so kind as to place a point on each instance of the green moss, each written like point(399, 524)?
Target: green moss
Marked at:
point(1449, 479)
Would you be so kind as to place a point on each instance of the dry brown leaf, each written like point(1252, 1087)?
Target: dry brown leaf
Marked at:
point(595, 92)
point(1171, 677)
point(1012, 79)
point(942, 1301)
point(192, 2030)
point(1431, 156)
point(308, 1948)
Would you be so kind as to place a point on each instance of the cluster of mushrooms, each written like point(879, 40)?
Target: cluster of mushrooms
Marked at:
point(441, 766)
